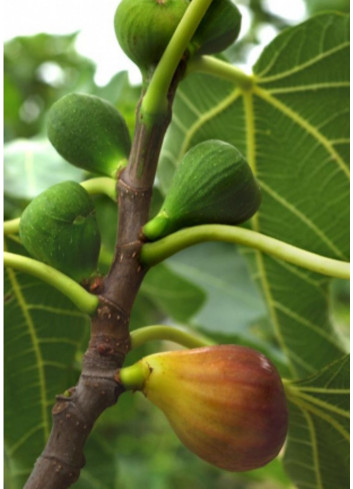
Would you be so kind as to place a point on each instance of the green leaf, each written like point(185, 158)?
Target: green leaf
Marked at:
point(43, 332)
point(315, 6)
point(145, 313)
point(177, 297)
point(293, 127)
point(39, 69)
point(101, 468)
point(317, 453)
point(33, 165)
point(233, 304)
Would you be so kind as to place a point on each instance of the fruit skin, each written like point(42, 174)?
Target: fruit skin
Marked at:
point(218, 29)
point(144, 28)
point(226, 403)
point(212, 184)
point(89, 132)
point(59, 228)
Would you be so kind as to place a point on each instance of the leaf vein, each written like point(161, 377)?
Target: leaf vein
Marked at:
point(301, 320)
point(321, 403)
point(313, 87)
point(32, 332)
point(314, 449)
point(304, 124)
point(302, 217)
point(21, 441)
point(302, 66)
point(208, 115)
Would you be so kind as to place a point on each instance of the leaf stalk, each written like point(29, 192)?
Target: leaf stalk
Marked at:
point(182, 336)
point(221, 69)
point(155, 99)
point(85, 301)
point(153, 253)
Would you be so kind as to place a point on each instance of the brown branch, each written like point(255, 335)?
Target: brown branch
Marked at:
point(74, 416)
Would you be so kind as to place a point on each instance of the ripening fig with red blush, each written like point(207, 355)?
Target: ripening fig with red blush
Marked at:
point(226, 403)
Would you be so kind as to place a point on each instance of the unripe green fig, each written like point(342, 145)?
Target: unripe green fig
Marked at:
point(59, 228)
point(144, 28)
point(212, 184)
point(218, 29)
point(226, 403)
point(90, 133)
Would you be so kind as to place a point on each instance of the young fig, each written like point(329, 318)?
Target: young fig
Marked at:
point(144, 28)
point(218, 29)
point(59, 228)
point(212, 184)
point(226, 403)
point(89, 133)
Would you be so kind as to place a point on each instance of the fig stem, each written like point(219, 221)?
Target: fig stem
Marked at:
point(157, 226)
point(153, 253)
point(182, 336)
point(134, 376)
point(155, 99)
point(221, 69)
point(85, 301)
point(12, 226)
point(101, 185)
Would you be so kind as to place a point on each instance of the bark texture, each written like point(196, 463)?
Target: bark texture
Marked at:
point(74, 416)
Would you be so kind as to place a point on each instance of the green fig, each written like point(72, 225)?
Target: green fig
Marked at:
point(144, 28)
point(212, 184)
point(90, 133)
point(218, 29)
point(59, 228)
point(226, 403)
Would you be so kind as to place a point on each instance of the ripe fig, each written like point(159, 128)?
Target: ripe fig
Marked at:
point(212, 184)
point(218, 29)
point(90, 133)
point(144, 28)
point(59, 228)
point(226, 403)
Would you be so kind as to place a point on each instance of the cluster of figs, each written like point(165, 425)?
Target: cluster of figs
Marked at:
point(226, 403)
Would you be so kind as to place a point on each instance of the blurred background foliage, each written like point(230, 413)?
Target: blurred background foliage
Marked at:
point(264, 19)
point(132, 441)
point(40, 69)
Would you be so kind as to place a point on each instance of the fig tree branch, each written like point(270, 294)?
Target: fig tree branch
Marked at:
point(74, 416)
point(98, 387)
point(153, 253)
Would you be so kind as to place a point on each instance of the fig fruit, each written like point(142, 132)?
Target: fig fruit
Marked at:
point(59, 228)
point(226, 403)
point(212, 184)
point(218, 29)
point(90, 133)
point(144, 28)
